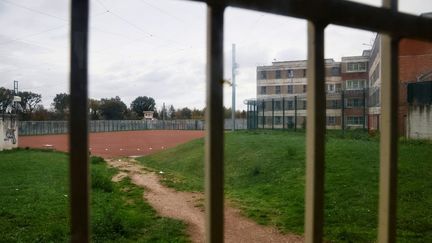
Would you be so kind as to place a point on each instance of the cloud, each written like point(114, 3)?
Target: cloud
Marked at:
point(155, 48)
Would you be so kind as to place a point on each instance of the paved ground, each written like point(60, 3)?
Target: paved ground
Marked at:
point(118, 144)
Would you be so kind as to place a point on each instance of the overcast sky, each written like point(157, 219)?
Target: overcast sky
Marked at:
point(155, 47)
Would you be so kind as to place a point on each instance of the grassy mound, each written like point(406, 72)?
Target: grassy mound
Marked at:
point(265, 176)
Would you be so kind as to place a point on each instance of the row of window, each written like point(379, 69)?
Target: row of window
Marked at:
point(356, 67)
point(290, 89)
point(355, 84)
point(330, 88)
point(330, 120)
point(280, 73)
point(301, 104)
point(301, 73)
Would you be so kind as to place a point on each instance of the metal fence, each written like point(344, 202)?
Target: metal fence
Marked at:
point(345, 109)
point(61, 127)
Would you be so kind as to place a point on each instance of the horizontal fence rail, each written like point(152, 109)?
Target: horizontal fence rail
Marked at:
point(26, 128)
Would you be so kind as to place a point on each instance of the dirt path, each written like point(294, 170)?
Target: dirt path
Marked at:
point(187, 206)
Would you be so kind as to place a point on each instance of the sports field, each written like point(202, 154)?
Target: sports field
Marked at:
point(117, 144)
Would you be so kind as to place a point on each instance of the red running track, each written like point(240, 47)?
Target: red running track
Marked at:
point(117, 144)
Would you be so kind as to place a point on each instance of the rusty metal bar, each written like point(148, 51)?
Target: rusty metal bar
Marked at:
point(345, 13)
point(315, 134)
point(214, 147)
point(389, 133)
point(78, 122)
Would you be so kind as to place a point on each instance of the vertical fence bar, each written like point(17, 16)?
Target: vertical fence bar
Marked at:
point(78, 137)
point(272, 114)
point(214, 147)
point(295, 113)
point(283, 113)
point(389, 134)
point(263, 110)
point(364, 108)
point(315, 133)
point(343, 110)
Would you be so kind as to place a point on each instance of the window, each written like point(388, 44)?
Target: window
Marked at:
point(277, 105)
point(290, 105)
point(263, 90)
point(354, 103)
point(278, 74)
point(355, 120)
point(278, 89)
point(375, 75)
point(331, 120)
point(278, 120)
point(290, 89)
point(304, 88)
point(290, 73)
point(290, 121)
point(356, 67)
point(330, 88)
point(333, 104)
point(263, 75)
point(304, 72)
point(335, 71)
point(355, 84)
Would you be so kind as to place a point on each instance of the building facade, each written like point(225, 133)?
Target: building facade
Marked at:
point(281, 94)
point(353, 89)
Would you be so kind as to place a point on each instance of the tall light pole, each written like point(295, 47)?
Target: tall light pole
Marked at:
point(233, 73)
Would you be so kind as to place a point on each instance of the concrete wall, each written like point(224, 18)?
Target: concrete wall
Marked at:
point(8, 133)
point(420, 122)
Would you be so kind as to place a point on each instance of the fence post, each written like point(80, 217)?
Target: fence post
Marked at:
point(364, 109)
point(283, 113)
point(295, 113)
point(273, 114)
point(263, 115)
point(343, 111)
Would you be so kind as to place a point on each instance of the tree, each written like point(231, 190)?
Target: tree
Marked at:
point(29, 101)
point(61, 103)
point(6, 97)
point(94, 109)
point(171, 112)
point(141, 104)
point(113, 109)
point(197, 114)
point(184, 113)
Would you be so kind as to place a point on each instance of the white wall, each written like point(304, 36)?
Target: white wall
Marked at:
point(420, 122)
point(6, 127)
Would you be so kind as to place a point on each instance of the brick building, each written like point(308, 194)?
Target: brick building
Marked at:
point(415, 61)
point(281, 94)
point(415, 65)
point(353, 89)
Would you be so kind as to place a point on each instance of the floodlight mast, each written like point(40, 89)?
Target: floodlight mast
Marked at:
point(233, 73)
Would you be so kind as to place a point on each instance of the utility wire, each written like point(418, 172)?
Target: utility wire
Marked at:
point(33, 10)
point(123, 19)
point(31, 35)
point(161, 10)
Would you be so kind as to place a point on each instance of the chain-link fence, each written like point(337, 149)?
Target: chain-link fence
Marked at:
point(61, 127)
point(344, 110)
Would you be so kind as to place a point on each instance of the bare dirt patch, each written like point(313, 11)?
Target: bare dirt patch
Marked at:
point(186, 206)
point(115, 144)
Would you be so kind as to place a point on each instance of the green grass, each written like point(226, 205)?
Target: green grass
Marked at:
point(34, 203)
point(265, 177)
